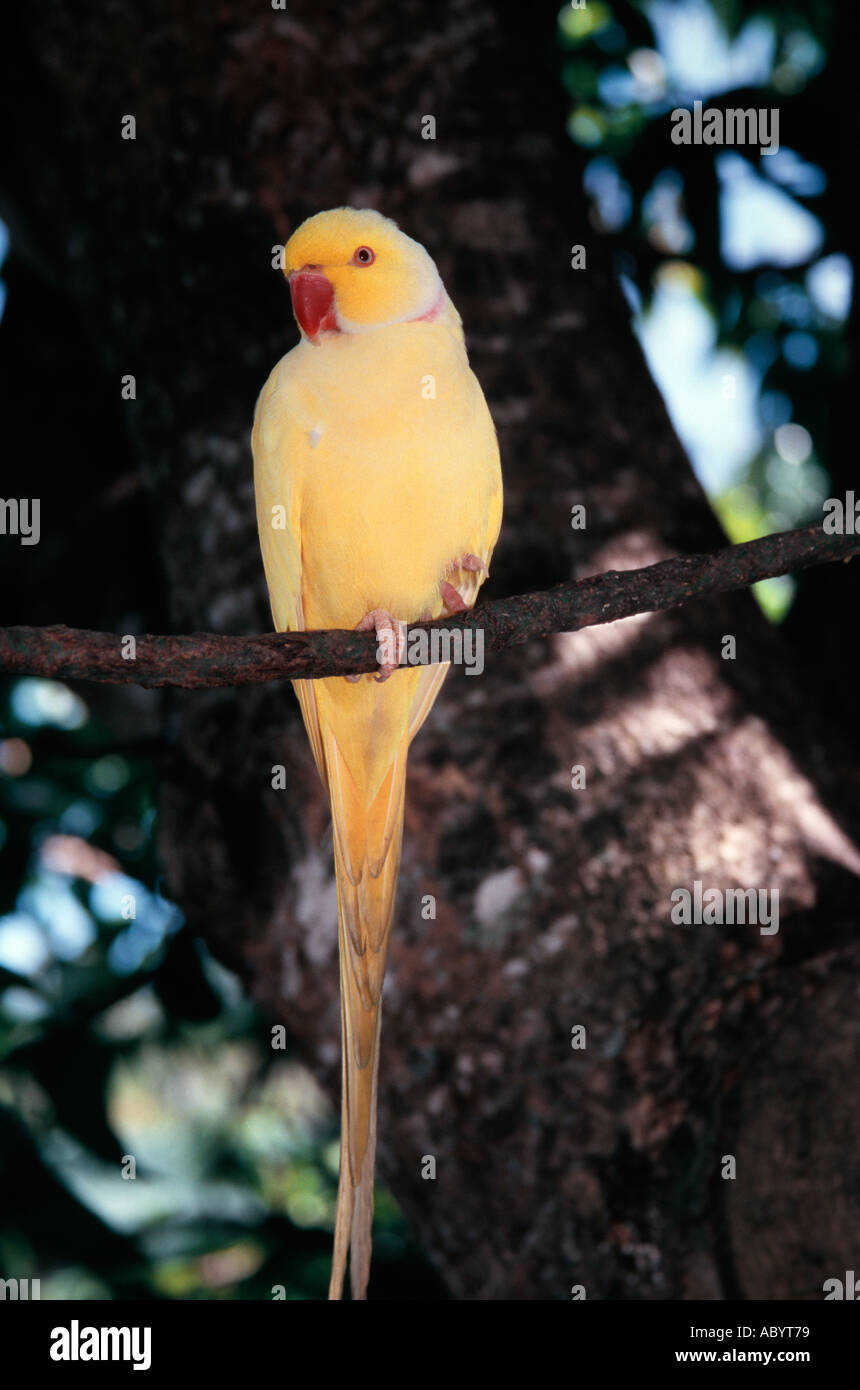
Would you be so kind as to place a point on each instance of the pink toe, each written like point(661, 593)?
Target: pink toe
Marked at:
point(471, 562)
point(452, 599)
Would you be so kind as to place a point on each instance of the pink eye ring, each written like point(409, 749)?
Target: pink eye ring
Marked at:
point(363, 256)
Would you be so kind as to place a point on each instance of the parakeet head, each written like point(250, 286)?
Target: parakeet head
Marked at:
point(352, 270)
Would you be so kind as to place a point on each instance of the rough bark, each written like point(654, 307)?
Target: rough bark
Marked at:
point(205, 659)
point(555, 1167)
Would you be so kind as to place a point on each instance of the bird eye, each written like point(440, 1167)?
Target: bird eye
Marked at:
point(363, 256)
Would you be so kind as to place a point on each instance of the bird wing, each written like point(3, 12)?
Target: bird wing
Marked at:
point(275, 441)
point(467, 583)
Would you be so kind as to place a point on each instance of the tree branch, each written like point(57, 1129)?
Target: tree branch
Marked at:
point(206, 659)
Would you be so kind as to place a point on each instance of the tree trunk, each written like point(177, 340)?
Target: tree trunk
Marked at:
point(557, 1165)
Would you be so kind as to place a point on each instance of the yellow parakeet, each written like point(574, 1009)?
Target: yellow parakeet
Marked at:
point(379, 498)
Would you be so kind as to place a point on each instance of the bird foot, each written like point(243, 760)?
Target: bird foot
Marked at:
point(390, 639)
point(451, 597)
point(471, 562)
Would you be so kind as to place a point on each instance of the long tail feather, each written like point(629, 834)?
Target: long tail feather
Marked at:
point(367, 840)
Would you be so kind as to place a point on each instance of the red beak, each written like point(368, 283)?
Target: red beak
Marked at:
point(313, 303)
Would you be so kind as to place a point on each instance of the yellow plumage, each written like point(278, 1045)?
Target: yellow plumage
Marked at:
point(376, 472)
